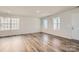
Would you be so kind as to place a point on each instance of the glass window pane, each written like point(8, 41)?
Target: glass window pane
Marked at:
point(7, 23)
point(45, 23)
point(15, 23)
point(55, 20)
point(56, 23)
point(58, 19)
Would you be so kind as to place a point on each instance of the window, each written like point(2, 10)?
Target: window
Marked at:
point(56, 23)
point(45, 23)
point(4, 23)
point(7, 23)
point(15, 23)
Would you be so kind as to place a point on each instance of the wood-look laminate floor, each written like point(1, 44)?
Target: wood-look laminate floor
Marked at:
point(38, 42)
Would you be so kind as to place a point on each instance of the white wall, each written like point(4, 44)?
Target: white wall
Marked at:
point(30, 25)
point(27, 25)
point(75, 24)
point(66, 24)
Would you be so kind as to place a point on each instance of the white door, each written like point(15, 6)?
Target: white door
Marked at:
point(75, 26)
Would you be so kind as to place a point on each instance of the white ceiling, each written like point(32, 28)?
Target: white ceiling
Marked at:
point(33, 11)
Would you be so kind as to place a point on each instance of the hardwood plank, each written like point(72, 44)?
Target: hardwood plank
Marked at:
point(38, 42)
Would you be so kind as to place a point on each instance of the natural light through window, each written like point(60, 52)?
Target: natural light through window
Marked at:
point(45, 23)
point(7, 23)
point(56, 23)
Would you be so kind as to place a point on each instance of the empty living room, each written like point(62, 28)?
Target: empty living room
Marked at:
point(39, 29)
